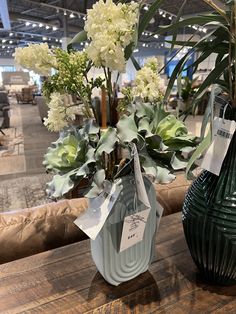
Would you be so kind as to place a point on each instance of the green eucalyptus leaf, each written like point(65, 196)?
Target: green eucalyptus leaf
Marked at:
point(60, 185)
point(97, 185)
point(79, 38)
point(159, 115)
point(90, 127)
point(99, 177)
point(144, 126)
point(148, 164)
point(154, 141)
point(127, 129)
point(107, 142)
point(177, 163)
point(145, 110)
point(164, 176)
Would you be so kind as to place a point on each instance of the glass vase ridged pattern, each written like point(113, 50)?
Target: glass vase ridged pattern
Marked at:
point(115, 266)
point(209, 219)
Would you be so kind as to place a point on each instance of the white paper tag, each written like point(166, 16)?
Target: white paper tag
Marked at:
point(223, 131)
point(92, 221)
point(133, 229)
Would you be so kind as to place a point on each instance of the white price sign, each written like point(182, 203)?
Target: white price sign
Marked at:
point(133, 229)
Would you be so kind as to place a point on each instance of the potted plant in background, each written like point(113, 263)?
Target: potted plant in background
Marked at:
point(188, 89)
point(154, 141)
point(209, 211)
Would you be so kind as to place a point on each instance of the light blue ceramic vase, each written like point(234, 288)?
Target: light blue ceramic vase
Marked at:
point(117, 267)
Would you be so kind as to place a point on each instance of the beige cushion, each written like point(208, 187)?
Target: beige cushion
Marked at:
point(29, 231)
point(171, 196)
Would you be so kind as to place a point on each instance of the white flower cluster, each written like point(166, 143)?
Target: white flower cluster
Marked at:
point(59, 114)
point(111, 29)
point(36, 57)
point(148, 85)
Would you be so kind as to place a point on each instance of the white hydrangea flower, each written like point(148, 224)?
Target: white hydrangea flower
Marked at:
point(148, 85)
point(111, 29)
point(60, 114)
point(36, 57)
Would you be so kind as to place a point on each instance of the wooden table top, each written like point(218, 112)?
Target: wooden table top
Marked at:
point(65, 280)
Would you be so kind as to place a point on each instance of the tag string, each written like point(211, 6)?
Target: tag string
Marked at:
point(225, 108)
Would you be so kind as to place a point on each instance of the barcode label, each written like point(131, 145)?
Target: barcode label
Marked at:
point(224, 134)
point(223, 131)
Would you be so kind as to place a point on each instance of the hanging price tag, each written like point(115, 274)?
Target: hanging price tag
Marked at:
point(133, 229)
point(92, 221)
point(135, 224)
point(223, 131)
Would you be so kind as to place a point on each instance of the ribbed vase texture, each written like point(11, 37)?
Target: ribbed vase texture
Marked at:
point(115, 266)
point(209, 220)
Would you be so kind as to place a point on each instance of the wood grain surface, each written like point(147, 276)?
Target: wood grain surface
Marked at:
point(65, 280)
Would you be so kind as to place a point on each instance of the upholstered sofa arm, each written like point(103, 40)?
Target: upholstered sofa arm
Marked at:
point(171, 195)
point(33, 230)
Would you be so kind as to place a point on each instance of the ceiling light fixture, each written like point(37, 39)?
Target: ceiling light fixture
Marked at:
point(57, 40)
point(10, 42)
point(65, 13)
point(3, 46)
point(60, 40)
point(44, 38)
point(27, 23)
point(146, 8)
point(47, 26)
point(3, 40)
point(11, 34)
point(34, 25)
point(156, 36)
point(54, 28)
point(72, 15)
point(41, 25)
point(84, 18)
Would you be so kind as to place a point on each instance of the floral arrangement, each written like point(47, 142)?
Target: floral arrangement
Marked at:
point(71, 78)
point(148, 86)
point(111, 28)
point(92, 153)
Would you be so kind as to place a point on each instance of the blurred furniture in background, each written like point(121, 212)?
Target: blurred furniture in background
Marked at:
point(4, 111)
point(26, 96)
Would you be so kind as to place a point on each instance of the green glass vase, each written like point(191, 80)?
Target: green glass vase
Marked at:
point(209, 219)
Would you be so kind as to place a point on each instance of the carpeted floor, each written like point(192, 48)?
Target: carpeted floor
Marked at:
point(12, 157)
point(23, 192)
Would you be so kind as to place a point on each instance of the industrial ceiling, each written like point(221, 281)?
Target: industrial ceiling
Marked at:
point(51, 20)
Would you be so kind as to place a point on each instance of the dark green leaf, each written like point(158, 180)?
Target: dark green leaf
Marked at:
point(148, 16)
